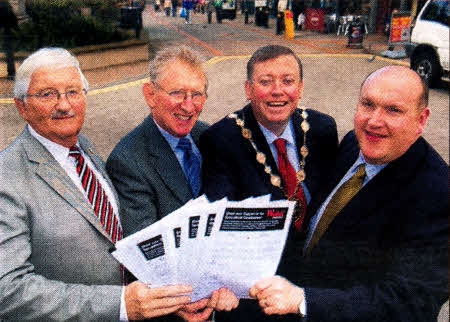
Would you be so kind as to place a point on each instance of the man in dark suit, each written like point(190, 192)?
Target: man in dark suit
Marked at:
point(156, 167)
point(147, 166)
point(241, 152)
point(59, 212)
point(376, 248)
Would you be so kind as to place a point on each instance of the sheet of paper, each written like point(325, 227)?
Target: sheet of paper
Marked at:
point(248, 244)
point(210, 245)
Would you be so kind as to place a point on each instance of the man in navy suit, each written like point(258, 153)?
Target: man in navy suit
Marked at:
point(236, 166)
point(384, 255)
point(240, 152)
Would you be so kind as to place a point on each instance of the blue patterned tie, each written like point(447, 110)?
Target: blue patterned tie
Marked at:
point(191, 165)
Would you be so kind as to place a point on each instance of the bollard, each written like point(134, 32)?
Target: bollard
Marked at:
point(246, 16)
point(279, 26)
point(288, 25)
point(266, 18)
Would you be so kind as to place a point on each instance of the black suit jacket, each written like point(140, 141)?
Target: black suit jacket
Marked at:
point(147, 175)
point(384, 257)
point(230, 169)
point(229, 161)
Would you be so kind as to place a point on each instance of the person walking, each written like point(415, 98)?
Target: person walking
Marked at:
point(8, 23)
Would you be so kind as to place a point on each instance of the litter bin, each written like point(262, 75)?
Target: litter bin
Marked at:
point(131, 18)
point(355, 34)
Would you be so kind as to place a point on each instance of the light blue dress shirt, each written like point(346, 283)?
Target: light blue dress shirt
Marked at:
point(291, 149)
point(371, 171)
point(173, 142)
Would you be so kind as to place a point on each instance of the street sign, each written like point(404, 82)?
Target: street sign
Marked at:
point(400, 28)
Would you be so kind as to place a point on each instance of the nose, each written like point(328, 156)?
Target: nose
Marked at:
point(375, 117)
point(188, 105)
point(63, 102)
point(277, 88)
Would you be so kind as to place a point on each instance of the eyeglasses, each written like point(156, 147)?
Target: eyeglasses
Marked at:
point(51, 96)
point(179, 96)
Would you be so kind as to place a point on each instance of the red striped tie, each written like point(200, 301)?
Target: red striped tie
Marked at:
point(97, 196)
point(289, 179)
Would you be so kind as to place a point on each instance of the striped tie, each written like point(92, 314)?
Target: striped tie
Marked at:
point(289, 180)
point(97, 196)
point(191, 165)
point(343, 195)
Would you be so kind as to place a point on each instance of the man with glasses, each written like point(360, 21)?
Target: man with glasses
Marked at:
point(59, 213)
point(149, 166)
point(156, 167)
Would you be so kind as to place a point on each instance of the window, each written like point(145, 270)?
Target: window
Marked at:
point(437, 11)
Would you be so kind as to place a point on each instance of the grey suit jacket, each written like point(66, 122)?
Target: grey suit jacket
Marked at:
point(54, 259)
point(148, 176)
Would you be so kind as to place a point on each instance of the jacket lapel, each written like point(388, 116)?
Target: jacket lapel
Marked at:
point(160, 151)
point(54, 175)
point(89, 149)
point(260, 140)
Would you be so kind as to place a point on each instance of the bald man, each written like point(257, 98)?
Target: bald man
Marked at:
point(376, 246)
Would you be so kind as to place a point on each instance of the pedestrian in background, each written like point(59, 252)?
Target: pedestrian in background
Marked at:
point(174, 7)
point(167, 5)
point(8, 24)
point(187, 6)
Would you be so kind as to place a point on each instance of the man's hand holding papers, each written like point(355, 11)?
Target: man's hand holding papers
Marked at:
point(276, 295)
point(220, 248)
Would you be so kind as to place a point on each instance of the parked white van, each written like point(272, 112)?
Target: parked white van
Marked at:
point(429, 47)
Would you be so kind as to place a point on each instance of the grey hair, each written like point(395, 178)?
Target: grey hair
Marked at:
point(166, 56)
point(44, 57)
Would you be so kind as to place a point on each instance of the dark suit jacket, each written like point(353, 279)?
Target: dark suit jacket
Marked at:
point(384, 256)
point(148, 176)
point(229, 161)
point(230, 169)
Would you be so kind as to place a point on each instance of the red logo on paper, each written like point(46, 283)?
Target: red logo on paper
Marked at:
point(273, 213)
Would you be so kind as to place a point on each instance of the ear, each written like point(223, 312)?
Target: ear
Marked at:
point(248, 90)
point(20, 104)
point(422, 119)
point(149, 94)
point(300, 89)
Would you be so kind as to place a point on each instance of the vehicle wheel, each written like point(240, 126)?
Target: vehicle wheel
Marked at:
point(427, 66)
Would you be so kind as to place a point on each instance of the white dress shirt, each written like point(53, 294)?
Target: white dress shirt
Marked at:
point(291, 149)
point(61, 155)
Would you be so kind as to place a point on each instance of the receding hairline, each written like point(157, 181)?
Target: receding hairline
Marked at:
point(409, 74)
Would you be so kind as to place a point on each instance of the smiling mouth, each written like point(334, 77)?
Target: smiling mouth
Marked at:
point(62, 117)
point(183, 117)
point(276, 104)
point(375, 135)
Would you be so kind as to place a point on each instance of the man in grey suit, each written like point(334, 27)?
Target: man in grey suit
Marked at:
point(59, 213)
point(156, 167)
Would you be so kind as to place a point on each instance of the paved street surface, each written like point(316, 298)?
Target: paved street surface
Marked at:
point(332, 76)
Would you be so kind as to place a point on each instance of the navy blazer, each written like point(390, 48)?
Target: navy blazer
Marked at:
point(230, 169)
point(384, 257)
point(229, 161)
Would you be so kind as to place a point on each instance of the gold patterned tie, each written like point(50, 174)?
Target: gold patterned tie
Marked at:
point(342, 196)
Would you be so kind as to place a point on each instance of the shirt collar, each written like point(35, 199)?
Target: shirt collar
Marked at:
point(371, 169)
point(55, 149)
point(286, 135)
point(173, 141)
